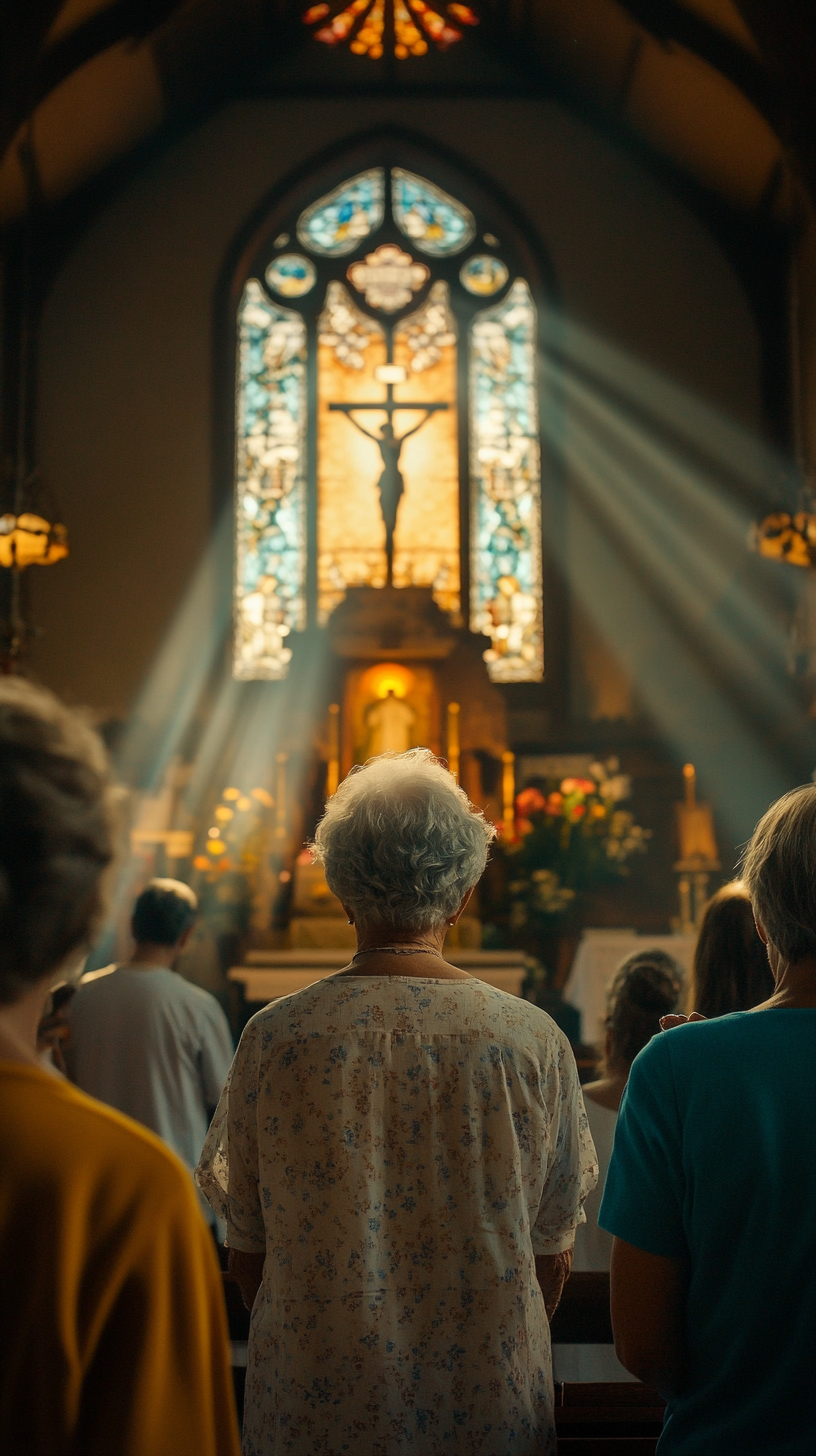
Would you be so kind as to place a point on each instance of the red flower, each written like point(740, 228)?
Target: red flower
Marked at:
point(530, 801)
point(579, 786)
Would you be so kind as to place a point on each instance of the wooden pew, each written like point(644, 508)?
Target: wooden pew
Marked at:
point(583, 1317)
point(238, 1324)
point(607, 1420)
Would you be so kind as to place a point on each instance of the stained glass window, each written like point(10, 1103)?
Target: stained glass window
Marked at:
point(364, 23)
point(270, 501)
point(483, 275)
point(435, 222)
point(291, 275)
point(382, 367)
point(417, 391)
point(350, 529)
point(505, 477)
point(426, 541)
point(338, 222)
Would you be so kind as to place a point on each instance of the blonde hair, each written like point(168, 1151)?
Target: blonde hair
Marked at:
point(779, 871)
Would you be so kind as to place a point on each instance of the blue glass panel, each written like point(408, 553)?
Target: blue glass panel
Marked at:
point(338, 222)
point(505, 476)
point(270, 485)
point(435, 222)
point(291, 275)
point(483, 275)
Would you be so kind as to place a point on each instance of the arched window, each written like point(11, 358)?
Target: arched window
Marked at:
point(387, 419)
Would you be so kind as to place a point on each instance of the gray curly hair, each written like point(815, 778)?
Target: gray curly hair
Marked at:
point(400, 842)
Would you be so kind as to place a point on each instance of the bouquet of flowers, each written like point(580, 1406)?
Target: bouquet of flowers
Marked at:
point(570, 835)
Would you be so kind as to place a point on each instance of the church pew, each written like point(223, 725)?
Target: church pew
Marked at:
point(238, 1325)
point(607, 1419)
point(583, 1317)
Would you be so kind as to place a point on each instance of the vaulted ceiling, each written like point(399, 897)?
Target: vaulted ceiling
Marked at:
point(719, 89)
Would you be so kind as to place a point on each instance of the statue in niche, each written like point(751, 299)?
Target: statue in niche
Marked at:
point(390, 722)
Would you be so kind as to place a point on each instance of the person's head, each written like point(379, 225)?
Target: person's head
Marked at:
point(401, 845)
point(647, 985)
point(731, 970)
point(55, 835)
point(779, 873)
point(164, 915)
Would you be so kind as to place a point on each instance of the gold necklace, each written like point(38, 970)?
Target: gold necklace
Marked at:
point(398, 950)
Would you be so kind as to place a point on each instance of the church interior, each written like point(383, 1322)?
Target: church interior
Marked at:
point(388, 375)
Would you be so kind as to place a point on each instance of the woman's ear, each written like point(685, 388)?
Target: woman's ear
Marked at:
point(760, 928)
point(462, 908)
point(348, 914)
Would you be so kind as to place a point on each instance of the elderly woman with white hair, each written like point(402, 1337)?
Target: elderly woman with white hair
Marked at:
point(401, 1156)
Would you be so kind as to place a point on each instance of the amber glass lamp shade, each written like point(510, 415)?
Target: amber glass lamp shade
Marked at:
point(31, 540)
point(785, 537)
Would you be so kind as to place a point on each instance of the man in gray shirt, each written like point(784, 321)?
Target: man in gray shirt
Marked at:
point(146, 1041)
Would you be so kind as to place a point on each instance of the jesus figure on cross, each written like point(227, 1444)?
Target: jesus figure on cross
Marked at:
point(390, 484)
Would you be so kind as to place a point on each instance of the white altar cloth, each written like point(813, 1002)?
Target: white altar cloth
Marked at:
point(598, 956)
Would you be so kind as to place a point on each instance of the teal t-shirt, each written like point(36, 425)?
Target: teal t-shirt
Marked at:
point(715, 1162)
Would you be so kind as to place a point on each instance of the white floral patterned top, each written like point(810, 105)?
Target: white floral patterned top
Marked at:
point(401, 1149)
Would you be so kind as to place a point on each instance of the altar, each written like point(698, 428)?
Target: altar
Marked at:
point(269, 974)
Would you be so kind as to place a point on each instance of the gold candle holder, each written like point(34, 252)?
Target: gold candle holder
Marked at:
point(698, 854)
point(333, 767)
point(509, 794)
point(453, 739)
point(281, 807)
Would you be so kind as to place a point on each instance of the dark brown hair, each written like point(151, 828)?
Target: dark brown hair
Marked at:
point(647, 986)
point(55, 834)
point(731, 971)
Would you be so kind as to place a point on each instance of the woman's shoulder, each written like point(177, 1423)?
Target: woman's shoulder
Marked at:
point(345, 1004)
point(54, 1130)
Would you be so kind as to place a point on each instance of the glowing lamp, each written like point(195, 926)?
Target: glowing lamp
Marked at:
point(785, 537)
point(390, 677)
point(31, 540)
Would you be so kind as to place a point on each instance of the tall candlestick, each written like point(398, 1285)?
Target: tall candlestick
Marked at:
point(333, 769)
point(509, 793)
point(281, 760)
point(690, 777)
point(453, 739)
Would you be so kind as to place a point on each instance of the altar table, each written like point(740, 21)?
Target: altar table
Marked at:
point(599, 954)
point(269, 974)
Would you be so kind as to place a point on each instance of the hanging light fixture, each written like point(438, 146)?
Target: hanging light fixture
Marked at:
point(31, 532)
point(787, 536)
point(30, 540)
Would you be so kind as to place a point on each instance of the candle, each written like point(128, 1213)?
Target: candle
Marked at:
point(453, 739)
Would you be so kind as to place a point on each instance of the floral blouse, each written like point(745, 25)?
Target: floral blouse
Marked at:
point(401, 1150)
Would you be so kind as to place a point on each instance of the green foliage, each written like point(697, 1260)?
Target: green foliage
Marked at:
point(570, 836)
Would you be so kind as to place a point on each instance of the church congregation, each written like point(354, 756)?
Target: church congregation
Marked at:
point(407, 728)
point(401, 1156)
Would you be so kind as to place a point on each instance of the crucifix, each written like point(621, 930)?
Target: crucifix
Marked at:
point(391, 484)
